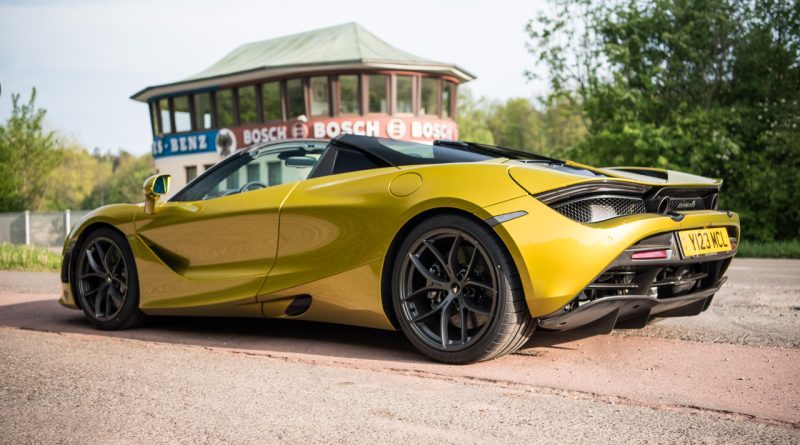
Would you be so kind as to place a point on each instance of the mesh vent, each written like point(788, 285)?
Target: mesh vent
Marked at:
point(600, 208)
point(680, 204)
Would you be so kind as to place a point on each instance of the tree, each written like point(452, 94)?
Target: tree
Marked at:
point(119, 178)
point(517, 123)
point(28, 156)
point(710, 87)
point(73, 180)
point(472, 118)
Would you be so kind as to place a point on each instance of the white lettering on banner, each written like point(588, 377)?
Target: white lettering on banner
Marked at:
point(333, 128)
point(158, 147)
point(431, 130)
point(265, 134)
point(373, 128)
point(181, 144)
point(319, 129)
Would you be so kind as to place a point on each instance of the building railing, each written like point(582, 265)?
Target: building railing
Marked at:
point(46, 229)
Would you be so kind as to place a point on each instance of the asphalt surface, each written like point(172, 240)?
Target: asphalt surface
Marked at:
point(730, 375)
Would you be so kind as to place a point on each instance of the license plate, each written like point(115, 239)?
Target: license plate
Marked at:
point(704, 241)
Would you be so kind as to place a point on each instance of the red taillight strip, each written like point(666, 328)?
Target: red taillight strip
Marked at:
point(650, 255)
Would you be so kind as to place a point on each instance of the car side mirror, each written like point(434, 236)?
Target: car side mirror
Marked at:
point(153, 188)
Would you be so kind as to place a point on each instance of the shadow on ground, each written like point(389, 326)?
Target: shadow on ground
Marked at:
point(263, 335)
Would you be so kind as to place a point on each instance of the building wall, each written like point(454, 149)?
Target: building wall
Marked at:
point(194, 129)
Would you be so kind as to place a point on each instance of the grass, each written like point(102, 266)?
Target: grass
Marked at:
point(32, 258)
point(769, 249)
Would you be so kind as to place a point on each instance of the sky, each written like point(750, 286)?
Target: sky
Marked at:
point(87, 57)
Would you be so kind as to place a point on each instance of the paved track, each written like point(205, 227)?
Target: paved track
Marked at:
point(731, 374)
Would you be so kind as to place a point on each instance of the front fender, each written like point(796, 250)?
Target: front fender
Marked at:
point(117, 216)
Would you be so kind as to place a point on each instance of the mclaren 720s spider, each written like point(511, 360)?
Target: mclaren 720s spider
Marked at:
point(466, 248)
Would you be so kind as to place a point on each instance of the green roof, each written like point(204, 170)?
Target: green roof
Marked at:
point(349, 45)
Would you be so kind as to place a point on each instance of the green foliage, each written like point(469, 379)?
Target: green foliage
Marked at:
point(518, 123)
point(28, 156)
point(14, 257)
point(119, 178)
point(73, 180)
point(707, 87)
point(40, 170)
point(769, 249)
point(473, 118)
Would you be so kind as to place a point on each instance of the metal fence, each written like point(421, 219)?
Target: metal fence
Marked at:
point(46, 229)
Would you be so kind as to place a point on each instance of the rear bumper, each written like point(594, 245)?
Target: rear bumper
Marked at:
point(557, 258)
point(629, 311)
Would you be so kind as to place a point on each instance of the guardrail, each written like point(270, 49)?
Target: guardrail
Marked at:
point(46, 229)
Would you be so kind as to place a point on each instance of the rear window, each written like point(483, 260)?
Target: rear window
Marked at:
point(416, 153)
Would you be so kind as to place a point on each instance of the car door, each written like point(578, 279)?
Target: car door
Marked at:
point(220, 233)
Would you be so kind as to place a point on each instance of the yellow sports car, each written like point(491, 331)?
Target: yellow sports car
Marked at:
point(466, 248)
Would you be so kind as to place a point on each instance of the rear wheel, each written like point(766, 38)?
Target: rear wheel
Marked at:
point(457, 294)
point(105, 281)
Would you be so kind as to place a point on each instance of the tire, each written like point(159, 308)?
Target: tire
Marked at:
point(105, 282)
point(452, 274)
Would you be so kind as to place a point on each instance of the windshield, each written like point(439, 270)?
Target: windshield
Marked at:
point(251, 170)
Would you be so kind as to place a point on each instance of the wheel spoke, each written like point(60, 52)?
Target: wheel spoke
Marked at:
point(106, 261)
point(91, 274)
point(463, 312)
point(116, 264)
point(444, 324)
point(473, 307)
point(471, 262)
point(102, 255)
point(478, 284)
point(435, 309)
point(107, 301)
point(116, 298)
point(440, 258)
point(99, 299)
point(424, 271)
point(92, 263)
point(87, 294)
point(453, 257)
point(422, 290)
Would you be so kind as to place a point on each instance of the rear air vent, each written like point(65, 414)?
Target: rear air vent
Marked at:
point(600, 208)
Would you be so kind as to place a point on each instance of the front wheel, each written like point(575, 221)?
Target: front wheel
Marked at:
point(457, 294)
point(105, 281)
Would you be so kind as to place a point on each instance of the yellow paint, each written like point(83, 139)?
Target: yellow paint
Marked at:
point(405, 184)
point(250, 253)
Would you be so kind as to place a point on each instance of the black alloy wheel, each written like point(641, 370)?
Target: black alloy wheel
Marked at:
point(105, 283)
point(457, 294)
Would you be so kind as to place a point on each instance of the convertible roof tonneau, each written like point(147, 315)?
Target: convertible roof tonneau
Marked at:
point(375, 147)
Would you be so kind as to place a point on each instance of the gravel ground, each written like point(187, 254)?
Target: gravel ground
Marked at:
point(730, 375)
point(135, 392)
point(758, 306)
